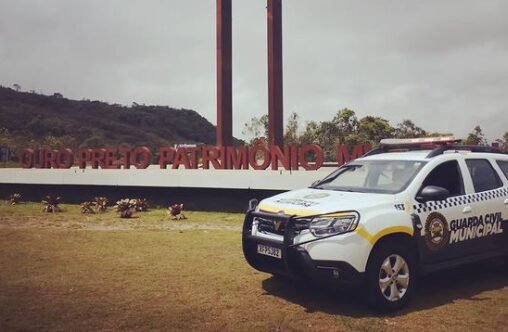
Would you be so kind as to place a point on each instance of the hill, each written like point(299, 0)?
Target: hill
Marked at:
point(31, 119)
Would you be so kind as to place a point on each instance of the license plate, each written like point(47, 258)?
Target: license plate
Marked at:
point(269, 251)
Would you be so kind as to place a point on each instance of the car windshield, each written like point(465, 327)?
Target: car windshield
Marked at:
point(372, 176)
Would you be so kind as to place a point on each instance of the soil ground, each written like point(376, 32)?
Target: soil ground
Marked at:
point(68, 271)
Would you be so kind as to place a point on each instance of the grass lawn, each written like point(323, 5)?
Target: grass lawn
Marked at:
point(67, 271)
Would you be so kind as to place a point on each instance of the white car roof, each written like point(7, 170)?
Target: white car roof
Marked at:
point(404, 155)
point(421, 155)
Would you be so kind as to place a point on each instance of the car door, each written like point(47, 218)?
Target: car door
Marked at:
point(502, 164)
point(482, 231)
point(435, 217)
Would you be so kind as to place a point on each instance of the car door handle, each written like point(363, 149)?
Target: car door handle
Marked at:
point(467, 209)
point(506, 201)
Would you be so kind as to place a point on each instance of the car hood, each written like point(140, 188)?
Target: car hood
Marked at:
point(316, 201)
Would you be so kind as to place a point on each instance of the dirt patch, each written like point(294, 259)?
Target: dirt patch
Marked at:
point(20, 222)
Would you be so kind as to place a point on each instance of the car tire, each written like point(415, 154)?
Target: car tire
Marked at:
point(391, 276)
point(505, 263)
point(281, 277)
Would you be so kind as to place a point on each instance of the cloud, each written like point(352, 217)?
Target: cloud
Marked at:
point(442, 64)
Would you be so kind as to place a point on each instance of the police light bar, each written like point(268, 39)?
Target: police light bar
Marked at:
point(419, 141)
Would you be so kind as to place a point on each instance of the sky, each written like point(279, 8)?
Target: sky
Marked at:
point(442, 64)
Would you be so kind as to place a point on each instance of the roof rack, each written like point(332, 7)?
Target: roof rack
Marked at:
point(438, 145)
point(472, 148)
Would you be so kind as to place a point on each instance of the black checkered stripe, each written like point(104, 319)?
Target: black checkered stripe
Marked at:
point(461, 200)
point(400, 207)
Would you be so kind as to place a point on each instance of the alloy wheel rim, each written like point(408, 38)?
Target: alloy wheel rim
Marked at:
point(394, 278)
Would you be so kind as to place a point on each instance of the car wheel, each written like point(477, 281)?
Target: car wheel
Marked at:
point(281, 277)
point(505, 263)
point(391, 277)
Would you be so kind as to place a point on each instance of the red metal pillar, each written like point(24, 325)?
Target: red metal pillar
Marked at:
point(275, 106)
point(224, 75)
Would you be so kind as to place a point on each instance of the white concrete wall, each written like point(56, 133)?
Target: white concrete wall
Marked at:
point(156, 177)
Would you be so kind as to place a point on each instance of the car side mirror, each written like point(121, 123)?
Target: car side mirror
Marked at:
point(432, 193)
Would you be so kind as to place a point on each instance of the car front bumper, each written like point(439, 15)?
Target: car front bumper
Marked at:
point(295, 261)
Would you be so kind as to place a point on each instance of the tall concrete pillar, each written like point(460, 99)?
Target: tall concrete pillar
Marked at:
point(224, 74)
point(275, 102)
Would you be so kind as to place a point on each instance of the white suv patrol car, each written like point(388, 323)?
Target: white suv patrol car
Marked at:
point(409, 206)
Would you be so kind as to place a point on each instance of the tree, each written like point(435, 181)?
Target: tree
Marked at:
point(291, 134)
point(16, 86)
point(309, 136)
point(476, 137)
point(5, 137)
point(407, 129)
point(503, 142)
point(256, 128)
point(438, 134)
point(346, 122)
point(374, 129)
point(328, 135)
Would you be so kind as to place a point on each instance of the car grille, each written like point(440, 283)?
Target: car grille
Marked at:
point(271, 225)
point(276, 225)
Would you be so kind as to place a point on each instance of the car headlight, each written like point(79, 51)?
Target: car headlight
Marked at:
point(334, 224)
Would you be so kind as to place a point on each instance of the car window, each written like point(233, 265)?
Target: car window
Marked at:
point(504, 167)
point(483, 174)
point(448, 176)
point(373, 176)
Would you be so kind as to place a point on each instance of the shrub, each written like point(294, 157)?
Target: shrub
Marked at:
point(86, 208)
point(51, 203)
point(126, 207)
point(15, 199)
point(101, 204)
point(141, 204)
point(176, 211)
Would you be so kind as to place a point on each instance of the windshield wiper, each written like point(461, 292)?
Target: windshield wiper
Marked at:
point(340, 189)
point(346, 190)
